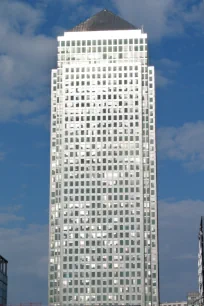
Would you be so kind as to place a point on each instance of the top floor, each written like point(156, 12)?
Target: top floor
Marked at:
point(3, 265)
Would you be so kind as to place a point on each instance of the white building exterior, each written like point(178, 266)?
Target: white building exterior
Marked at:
point(103, 199)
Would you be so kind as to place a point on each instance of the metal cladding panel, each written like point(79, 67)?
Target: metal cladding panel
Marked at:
point(103, 21)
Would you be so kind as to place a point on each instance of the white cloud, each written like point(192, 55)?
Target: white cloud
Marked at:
point(165, 69)
point(66, 2)
point(6, 218)
point(2, 155)
point(40, 120)
point(160, 17)
point(29, 165)
point(12, 208)
point(83, 11)
point(26, 249)
point(179, 221)
point(181, 212)
point(25, 60)
point(161, 79)
point(168, 63)
point(12, 108)
point(20, 17)
point(187, 257)
point(185, 143)
point(196, 14)
point(2, 152)
point(41, 144)
point(8, 214)
point(73, 2)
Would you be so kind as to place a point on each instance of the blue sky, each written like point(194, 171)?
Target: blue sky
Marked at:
point(28, 31)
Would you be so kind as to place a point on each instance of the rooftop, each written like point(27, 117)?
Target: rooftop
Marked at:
point(2, 259)
point(103, 21)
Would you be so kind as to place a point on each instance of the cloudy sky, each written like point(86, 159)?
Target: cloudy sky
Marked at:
point(28, 30)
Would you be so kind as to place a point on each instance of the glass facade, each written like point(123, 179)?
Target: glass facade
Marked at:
point(3, 281)
point(103, 202)
point(201, 261)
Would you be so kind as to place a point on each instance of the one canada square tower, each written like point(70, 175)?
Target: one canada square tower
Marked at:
point(103, 245)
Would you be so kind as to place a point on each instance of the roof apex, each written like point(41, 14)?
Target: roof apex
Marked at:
point(104, 20)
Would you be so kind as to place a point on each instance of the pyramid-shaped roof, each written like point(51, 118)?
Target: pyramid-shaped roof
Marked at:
point(103, 21)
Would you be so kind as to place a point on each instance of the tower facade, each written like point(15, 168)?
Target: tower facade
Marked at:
point(201, 260)
point(3, 280)
point(103, 190)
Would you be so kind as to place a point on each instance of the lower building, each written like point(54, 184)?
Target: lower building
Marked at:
point(183, 303)
point(3, 280)
point(193, 299)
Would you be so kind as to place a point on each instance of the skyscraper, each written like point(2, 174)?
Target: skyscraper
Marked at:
point(3, 280)
point(103, 198)
point(201, 260)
